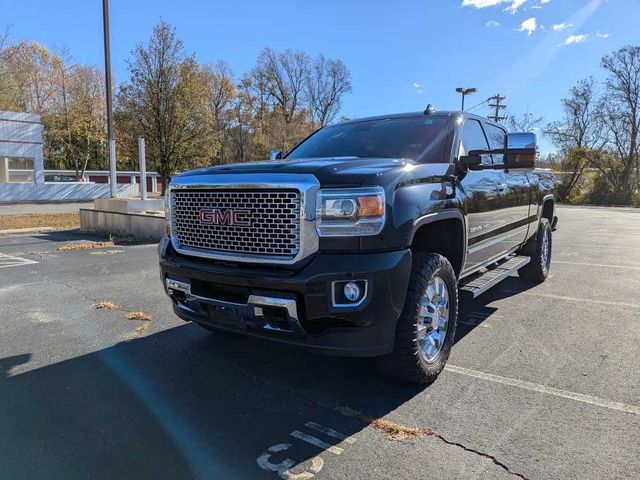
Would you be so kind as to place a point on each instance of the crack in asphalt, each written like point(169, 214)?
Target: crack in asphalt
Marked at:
point(81, 294)
point(345, 411)
point(477, 452)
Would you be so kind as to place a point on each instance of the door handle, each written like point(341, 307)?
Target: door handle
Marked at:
point(501, 187)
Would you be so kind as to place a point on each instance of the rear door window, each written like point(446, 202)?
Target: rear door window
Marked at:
point(472, 138)
point(497, 140)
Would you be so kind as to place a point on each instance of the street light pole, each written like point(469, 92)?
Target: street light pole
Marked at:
point(107, 80)
point(464, 92)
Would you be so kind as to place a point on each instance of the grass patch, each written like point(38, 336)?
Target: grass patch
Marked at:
point(84, 246)
point(106, 305)
point(397, 432)
point(57, 221)
point(391, 430)
point(142, 328)
point(141, 316)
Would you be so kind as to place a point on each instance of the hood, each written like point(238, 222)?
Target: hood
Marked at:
point(347, 171)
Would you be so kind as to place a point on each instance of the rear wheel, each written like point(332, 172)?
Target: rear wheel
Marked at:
point(426, 328)
point(539, 249)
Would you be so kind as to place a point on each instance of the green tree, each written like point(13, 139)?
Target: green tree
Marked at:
point(165, 100)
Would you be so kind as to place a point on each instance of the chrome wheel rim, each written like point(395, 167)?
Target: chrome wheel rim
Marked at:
point(545, 250)
point(433, 319)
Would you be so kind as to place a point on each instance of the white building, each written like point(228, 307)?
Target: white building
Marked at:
point(21, 148)
point(22, 175)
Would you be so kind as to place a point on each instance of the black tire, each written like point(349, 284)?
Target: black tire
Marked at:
point(537, 269)
point(407, 361)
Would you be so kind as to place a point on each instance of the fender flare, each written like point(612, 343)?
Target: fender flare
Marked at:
point(448, 214)
point(545, 199)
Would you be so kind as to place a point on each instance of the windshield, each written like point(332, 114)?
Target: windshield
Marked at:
point(422, 139)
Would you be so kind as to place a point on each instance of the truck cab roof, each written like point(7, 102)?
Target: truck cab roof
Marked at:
point(436, 114)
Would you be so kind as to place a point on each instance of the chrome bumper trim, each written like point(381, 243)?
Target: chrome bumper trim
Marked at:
point(255, 303)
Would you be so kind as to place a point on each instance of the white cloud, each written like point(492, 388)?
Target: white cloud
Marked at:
point(573, 39)
point(513, 8)
point(557, 27)
point(417, 86)
point(542, 2)
point(515, 5)
point(482, 3)
point(492, 23)
point(530, 25)
point(603, 35)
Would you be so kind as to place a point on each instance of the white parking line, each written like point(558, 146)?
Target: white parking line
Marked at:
point(556, 392)
point(316, 441)
point(9, 261)
point(603, 265)
point(576, 299)
point(330, 432)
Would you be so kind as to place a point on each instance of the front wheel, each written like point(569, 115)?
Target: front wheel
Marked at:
point(539, 250)
point(426, 328)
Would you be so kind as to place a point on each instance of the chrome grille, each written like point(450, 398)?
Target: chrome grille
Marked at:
point(273, 217)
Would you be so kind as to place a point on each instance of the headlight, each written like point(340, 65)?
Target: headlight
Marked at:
point(350, 211)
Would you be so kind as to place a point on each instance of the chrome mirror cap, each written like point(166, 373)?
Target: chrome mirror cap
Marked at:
point(521, 141)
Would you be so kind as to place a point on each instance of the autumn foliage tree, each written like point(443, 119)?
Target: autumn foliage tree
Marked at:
point(191, 114)
point(165, 100)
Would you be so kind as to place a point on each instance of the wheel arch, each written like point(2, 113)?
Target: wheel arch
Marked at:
point(442, 232)
point(547, 207)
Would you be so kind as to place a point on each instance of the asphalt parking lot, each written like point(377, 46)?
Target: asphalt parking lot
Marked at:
point(543, 381)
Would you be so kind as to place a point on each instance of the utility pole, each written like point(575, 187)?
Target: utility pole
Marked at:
point(107, 80)
point(464, 92)
point(497, 104)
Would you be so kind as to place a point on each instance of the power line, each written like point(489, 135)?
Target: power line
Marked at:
point(478, 105)
point(497, 105)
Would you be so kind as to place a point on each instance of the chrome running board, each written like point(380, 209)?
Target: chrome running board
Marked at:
point(478, 284)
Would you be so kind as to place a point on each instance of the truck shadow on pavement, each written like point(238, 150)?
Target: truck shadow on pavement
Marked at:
point(474, 312)
point(185, 403)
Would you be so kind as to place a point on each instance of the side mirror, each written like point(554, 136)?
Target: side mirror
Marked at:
point(471, 161)
point(275, 155)
point(522, 150)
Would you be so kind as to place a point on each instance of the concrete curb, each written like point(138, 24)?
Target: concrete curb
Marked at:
point(136, 225)
point(14, 231)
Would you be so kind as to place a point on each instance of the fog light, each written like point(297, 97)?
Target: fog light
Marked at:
point(352, 291)
point(348, 293)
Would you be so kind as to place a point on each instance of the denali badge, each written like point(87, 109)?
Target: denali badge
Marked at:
point(215, 216)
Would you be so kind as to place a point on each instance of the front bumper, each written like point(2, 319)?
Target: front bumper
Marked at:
point(293, 306)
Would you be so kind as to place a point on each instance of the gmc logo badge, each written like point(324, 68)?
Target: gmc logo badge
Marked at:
point(215, 216)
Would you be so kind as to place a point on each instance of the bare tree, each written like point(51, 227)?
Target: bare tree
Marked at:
point(622, 111)
point(327, 83)
point(526, 123)
point(282, 77)
point(579, 136)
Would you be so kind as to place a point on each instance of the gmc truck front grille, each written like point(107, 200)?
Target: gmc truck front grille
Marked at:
point(264, 222)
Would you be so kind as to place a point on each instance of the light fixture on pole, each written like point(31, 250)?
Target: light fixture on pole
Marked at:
point(464, 92)
point(107, 80)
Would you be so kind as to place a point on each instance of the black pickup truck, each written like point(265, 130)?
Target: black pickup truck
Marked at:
point(361, 239)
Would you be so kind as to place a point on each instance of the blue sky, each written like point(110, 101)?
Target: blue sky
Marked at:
point(402, 54)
